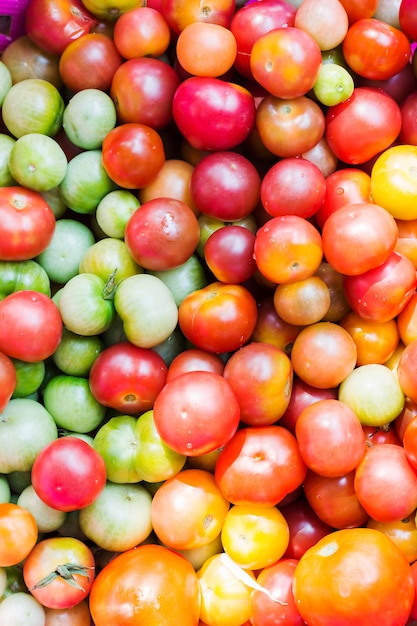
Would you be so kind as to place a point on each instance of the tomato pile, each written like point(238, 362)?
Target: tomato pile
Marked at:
point(208, 314)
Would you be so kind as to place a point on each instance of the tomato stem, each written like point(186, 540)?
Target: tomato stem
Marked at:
point(110, 287)
point(66, 572)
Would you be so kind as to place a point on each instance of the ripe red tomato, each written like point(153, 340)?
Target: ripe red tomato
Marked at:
point(343, 186)
point(194, 359)
point(30, 326)
point(196, 413)
point(219, 317)
point(141, 32)
point(370, 118)
point(28, 223)
point(303, 395)
point(132, 155)
point(228, 253)
point(260, 465)
point(305, 527)
point(8, 380)
point(63, 463)
point(365, 49)
point(149, 583)
point(59, 572)
point(127, 378)
point(357, 564)
point(406, 370)
point(162, 234)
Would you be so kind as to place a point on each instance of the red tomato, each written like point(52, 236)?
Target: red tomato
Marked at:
point(408, 134)
point(330, 438)
point(382, 292)
point(133, 154)
point(366, 228)
point(406, 370)
point(377, 435)
point(141, 32)
point(302, 396)
point(286, 61)
point(288, 248)
point(59, 572)
point(370, 118)
point(228, 253)
point(196, 413)
point(260, 465)
point(162, 234)
point(289, 128)
point(30, 326)
point(334, 500)
point(358, 9)
point(149, 583)
point(407, 16)
point(219, 317)
point(365, 49)
point(27, 223)
point(356, 564)
point(142, 90)
point(89, 62)
point(8, 380)
point(344, 186)
point(19, 533)
point(261, 377)
point(386, 483)
point(305, 527)
point(293, 186)
point(213, 114)
point(193, 359)
point(127, 378)
point(66, 462)
point(410, 443)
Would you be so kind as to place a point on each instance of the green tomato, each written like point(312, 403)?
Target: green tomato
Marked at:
point(30, 377)
point(6, 145)
point(37, 162)
point(184, 279)
point(76, 353)
point(19, 275)
point(88, 117)
point(334, 84)
point(116, 442)
point(53, 198)
point(108, 258)
point(5, 495)
point(5, 82)
point(47, 519)
point(72, 405)
point(114, 211)
point(61, 258)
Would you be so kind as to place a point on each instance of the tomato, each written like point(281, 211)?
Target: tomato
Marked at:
point(62, 21)
point(254, 536)
point(133, 154)
point(408, 19)
point(377, 435)
point(199, 510)
point(28, 223)
point(141, 31)
point(79, 615)
point(30, 326)
point(323, 354)
point(142, 90)
point(59, 572)
point(63, 463)
point(19, 533)
point(386, 483)
point(278, 607)
point(293, 186)
point(402, 532)
point(305, 527)
point(375, 342)
point(196, 412)
point(260, 375)
point(323, 430)
point(194, 359)
point(162, 234)
point(110, 260)
point(372, 119)
point(327, 22)
point(288, 248)
point(213, 114)
point(219, 317)
point(8, 379)
point(127, 378)
point(366, 227)
point(393, 181)
point(110, 10)
point(356, 564)
point(205, 49)
point(149, 582)
point(358, 9)
point(225, 185)
point(260, 465)
point(271, 328)
point(302, 302)
point(406, 370)
point(303, 395)
point(181, 13)
point(289, 127)
point(381, 293)
point(286, 61)
point(339, 306)
point(89, 62)
point(408, 111)
point(228, 253)
point(172, 181)
point(344, 186)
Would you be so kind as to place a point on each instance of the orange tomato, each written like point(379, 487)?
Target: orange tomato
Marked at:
point(302, 302)
point(205, 49)
point(375, 342)
point(402, 532)
point(407, 321)
point(407, 239)
point(18, 532)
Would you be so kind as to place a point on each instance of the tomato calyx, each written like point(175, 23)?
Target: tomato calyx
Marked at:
point(66, 572)
point(110, 287)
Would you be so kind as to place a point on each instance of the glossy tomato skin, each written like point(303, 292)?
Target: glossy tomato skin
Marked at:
point(260, 465)
point(196, 412)
point(45, 558)
point(28, 223)
point(359, 564)
point(127, 378)
point(213, 114)
point(228, 253)
point(30, 326)
point(53, 25)
point(62, 464)
point(8, 380)
point(219, 317)
point(343, 186)
point(305, 527)
point(19, 533)
point(372, 120)
point(303, 395)
point(180, 13)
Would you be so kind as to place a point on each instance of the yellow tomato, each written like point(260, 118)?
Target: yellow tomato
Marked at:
point(394, 181)
point(110, 10)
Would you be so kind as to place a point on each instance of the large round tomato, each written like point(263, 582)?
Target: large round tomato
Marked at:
point(370, 118)
point(19, 533)
point(394, 181)
point(356, 564)
point(149, 584)
point(219, 317)
point(59, 572)
point(27, 223)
